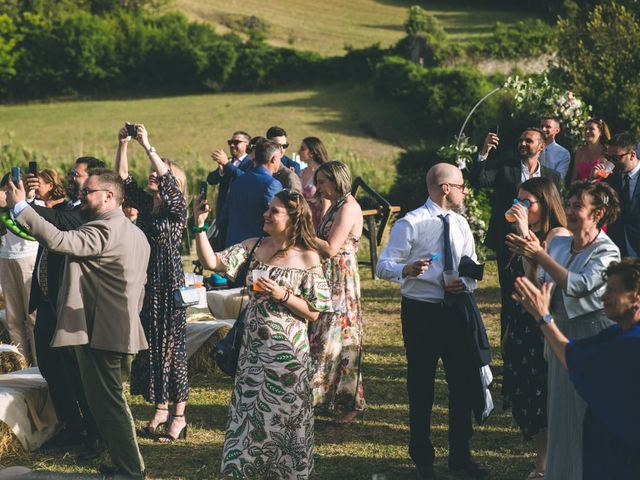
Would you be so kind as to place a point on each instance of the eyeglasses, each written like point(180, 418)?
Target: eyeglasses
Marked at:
point(617, 158)
point(235, 142)
point(74, 173)
point(284, 146)
point(86, 191)
point(525, 202)
point(462, 187)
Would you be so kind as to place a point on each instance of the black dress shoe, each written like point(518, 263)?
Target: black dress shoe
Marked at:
point(116, 473)
point(63, 439)
point(468, 467)
point(93, 448)
point(424, 472)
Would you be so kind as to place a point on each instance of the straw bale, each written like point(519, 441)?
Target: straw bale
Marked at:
point(11, 361)
point(200, 362)
point(9, 444)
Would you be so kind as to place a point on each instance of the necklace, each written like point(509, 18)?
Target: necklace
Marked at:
point(574, 250)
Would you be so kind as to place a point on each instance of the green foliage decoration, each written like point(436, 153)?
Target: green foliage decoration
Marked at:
point(600, 59)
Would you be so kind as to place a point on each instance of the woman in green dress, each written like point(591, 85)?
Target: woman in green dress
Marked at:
point(270, 427)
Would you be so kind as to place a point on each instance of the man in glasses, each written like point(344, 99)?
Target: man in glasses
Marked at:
point(229, 167)
point(505, 175)
point(625, 232)
point(59, 366)
point(278, 135)
point(100, 299)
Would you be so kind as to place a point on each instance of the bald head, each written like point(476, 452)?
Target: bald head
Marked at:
point(442, 173)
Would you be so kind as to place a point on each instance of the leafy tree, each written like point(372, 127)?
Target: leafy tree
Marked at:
point(600, 59)
point(8, 39)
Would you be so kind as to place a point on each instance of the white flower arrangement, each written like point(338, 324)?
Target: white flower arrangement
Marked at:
point(541, 98)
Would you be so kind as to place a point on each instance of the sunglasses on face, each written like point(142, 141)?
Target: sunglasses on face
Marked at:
point(525, 202)
point(86, 191)
point(284, 146)
point(235, 143)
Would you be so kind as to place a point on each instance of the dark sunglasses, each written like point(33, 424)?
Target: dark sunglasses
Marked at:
point(616, 158)
point(284, 146)
point(86, 191)
point(526, 203)
point(235, 142)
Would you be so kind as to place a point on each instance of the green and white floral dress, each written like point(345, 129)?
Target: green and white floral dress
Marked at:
point(270, 427)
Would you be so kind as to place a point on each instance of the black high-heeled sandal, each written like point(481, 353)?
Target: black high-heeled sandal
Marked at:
point(150, 432)
point(168, 438)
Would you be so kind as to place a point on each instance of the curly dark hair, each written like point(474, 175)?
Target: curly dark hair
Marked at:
point(603, 198)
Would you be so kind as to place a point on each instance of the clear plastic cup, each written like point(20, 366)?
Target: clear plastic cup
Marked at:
point(255, 275)
point(449, 276)
point(605, 171)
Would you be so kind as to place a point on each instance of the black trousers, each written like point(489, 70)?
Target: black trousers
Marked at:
point(506, 279)
point(432, 331)
point(59, 367)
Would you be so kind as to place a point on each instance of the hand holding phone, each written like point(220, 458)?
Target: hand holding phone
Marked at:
point(15, 175)
point(203, 190)
point(434, 257)
point(33, 168)
point(132, 130)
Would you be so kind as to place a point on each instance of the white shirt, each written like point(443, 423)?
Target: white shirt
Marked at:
point(633, 181)
point(557, 157)
point(524, 175)
point(419, 234)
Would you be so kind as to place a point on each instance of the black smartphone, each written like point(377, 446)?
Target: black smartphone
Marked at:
point(33, 168)
point(15, 175)
point(203, 190)
point(132, 129)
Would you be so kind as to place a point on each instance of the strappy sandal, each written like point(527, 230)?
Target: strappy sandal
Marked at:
point(168, 438)
point(151, 432)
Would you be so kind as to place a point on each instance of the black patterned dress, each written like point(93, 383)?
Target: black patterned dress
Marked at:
point(160, 373)
point(524, 387)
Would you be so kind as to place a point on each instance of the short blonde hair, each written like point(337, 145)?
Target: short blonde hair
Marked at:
point(338, 173)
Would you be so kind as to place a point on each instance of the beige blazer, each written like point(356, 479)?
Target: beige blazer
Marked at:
point(102, 288)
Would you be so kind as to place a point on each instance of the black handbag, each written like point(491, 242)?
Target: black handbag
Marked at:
point(227, 350)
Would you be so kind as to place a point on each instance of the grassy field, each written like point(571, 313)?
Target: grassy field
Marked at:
point(328, 26)
point(377, 444)
point(367, 133)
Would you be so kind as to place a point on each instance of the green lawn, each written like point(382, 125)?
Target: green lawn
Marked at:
point(355, 127)
point(377, 444)
point(328, 26)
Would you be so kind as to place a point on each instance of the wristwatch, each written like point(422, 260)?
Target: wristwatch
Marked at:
point(152, 149)
point(546, 319)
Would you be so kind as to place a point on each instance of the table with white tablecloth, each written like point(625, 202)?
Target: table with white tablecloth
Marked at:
point(225, 304)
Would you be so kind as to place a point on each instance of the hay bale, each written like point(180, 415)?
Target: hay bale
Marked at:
point(9, 444)
point(200, 361)
point(11, 361)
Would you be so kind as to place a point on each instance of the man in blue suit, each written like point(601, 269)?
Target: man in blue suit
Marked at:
point(625, 232)
point(250, 195)
point(228, 169)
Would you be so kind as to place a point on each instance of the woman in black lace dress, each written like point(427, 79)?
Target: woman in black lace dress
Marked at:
point(160, 373)
point(538, 212)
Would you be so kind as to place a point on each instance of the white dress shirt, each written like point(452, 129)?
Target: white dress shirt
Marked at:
point(524, 175)
point(557, 157)
point(419, 234)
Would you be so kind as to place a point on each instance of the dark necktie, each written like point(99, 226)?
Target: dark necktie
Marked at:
point(42, 272)
point(626, 190)
point(448, 259)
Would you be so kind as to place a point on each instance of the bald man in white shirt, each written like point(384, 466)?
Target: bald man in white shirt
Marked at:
point(432, 327)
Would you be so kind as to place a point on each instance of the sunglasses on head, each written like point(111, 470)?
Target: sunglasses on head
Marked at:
point(235, 142)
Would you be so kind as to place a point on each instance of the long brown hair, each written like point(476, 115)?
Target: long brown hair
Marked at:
point(552, 212)
point(50, 176)
point(316, 149)
point(301, 233)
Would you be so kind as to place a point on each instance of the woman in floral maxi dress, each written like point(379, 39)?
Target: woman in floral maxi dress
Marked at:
point(270, 427)
point(159, 374)
point(336, 338)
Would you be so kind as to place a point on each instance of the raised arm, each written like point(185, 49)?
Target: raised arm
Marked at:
point(121, 160)
point(156, 162)
point(206, 255)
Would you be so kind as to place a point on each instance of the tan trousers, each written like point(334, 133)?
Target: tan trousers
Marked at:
point(15, 277)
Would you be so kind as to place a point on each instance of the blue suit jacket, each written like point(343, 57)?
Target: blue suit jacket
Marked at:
point(230, 173)
point(248, 199)
point(287, 162)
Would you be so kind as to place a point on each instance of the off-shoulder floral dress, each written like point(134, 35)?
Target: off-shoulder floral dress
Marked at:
point(336, 338)
point(270, 427)
point(160, 373)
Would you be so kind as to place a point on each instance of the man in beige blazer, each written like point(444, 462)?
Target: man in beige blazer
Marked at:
point(98, 304)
